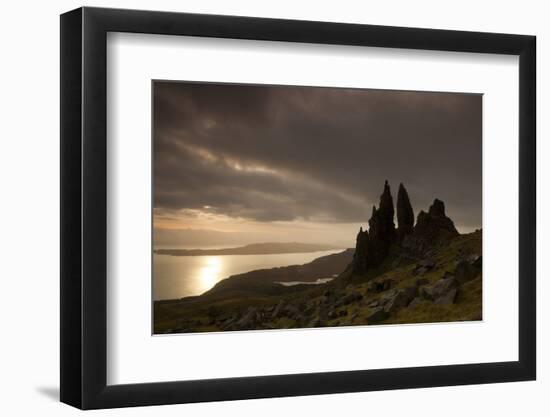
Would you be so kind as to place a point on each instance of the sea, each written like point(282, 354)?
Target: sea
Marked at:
point(183, 276)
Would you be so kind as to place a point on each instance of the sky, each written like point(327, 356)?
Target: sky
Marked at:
point(237, 164)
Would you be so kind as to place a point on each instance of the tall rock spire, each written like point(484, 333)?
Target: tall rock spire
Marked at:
point(405, 214)
point(381, 229)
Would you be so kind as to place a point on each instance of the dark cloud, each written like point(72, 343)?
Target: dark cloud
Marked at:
point(283, 153)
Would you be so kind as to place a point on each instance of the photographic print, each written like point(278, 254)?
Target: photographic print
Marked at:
point(283, 207)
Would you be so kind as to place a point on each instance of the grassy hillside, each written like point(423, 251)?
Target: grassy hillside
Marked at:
point(444, 284)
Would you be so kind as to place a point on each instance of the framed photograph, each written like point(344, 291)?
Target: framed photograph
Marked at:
point(260, 208)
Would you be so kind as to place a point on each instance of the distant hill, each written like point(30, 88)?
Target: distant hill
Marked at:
point(263, 281)
point(252, 249)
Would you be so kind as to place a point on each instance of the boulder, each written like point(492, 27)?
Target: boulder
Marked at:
point(440, 288)
point(377, 315)
point(400, 300)
point(387, 296)
point(448, 298)
point(444, 285)
point(465, 271)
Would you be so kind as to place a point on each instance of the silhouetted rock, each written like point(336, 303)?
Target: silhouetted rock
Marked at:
point(360, 256)
point(435, 223)
point(373, 246)
point(431, 228)
point(405, 214)
point(381, 229)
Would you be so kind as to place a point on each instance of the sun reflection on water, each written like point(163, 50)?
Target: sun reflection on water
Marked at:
point(209, 272)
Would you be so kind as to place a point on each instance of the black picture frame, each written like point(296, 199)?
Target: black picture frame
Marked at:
point(84, 207)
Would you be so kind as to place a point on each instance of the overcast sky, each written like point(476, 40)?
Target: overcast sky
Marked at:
point(241, 163)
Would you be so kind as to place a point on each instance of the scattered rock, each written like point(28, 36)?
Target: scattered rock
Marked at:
point(249, 319)
point(348, 299)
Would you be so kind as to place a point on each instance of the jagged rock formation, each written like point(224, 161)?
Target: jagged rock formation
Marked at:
point(431, 228)
point(381, 229)
point(405, 214)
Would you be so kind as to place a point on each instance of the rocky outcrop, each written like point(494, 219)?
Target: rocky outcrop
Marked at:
point(373, 246)
point(405, 214)
point(435, 224)
point(432, 228)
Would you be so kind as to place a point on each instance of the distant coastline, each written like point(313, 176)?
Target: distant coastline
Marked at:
point(252, 249)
